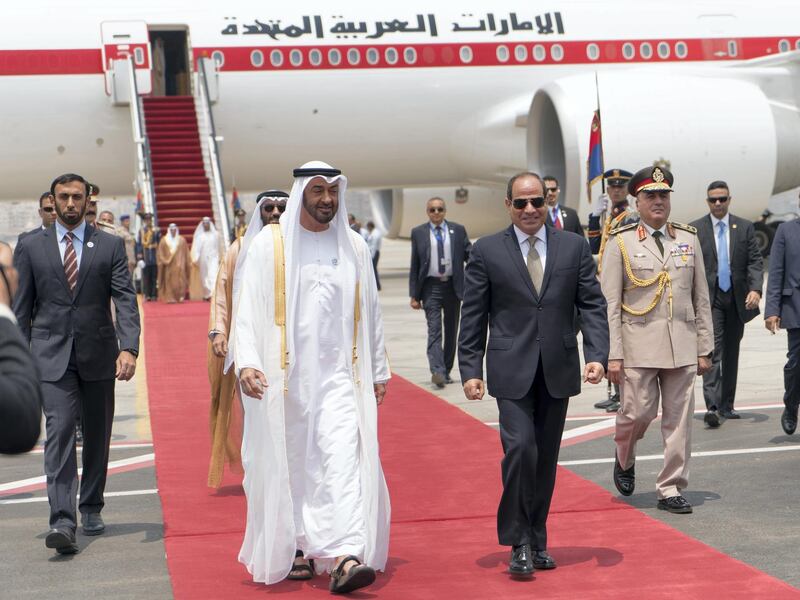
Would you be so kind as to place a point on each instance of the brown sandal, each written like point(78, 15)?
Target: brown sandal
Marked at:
point(301, 571)
point(357, 577)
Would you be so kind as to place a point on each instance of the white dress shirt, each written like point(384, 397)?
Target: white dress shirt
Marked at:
point(540, 241)
point(715, 221)
point(433, 268)
point(77, 240)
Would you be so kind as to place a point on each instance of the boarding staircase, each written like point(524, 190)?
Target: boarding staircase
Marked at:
point(182, 189)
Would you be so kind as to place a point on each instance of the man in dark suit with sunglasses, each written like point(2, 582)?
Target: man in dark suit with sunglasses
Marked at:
point(524, 284)
point(439, 249)
point(47, 213)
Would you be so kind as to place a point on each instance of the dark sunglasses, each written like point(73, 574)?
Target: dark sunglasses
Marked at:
point(48, 208)
point(551, 190)
point(271, 207)
point(718, 200)
point(521, 203)
point(436, 209)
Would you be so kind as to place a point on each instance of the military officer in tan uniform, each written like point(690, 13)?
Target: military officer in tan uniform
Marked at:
point(662, 336)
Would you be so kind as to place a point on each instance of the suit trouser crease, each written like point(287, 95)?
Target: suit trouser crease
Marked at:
point(441, 305)
point(642, 389)
point(149, 278)
point(530, 432)
point(719, 384)
point(63, 401)
point(791, 371)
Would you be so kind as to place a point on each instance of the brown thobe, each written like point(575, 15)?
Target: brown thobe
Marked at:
point(173, 270)
point(225, 418)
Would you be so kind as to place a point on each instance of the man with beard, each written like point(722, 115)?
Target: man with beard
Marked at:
point(225, 415)
point(205, 255)
point(68, 275)
point(174, 266)
point(308, 345)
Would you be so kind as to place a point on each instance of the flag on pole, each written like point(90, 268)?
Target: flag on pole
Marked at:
point(235, 204)
point(139, 210)
point(595, 163)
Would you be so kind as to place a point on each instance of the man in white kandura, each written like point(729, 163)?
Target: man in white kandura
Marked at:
point(205, 254)
point(308, 347)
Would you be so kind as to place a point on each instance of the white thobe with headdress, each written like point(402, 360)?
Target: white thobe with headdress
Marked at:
point(205, 254)
point(313, 477)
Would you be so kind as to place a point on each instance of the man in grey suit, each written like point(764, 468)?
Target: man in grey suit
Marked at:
point(735, 276)
point(439, 249)
point(68, 276)
point(524, 284)
point(782, 310)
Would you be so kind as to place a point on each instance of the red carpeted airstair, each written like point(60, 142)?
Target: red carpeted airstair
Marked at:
point(182, 193)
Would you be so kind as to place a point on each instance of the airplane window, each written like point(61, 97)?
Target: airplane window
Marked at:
point(663, 50)
point(733, 49)
point(521, 53)
point(465, 54)
point(276, 58)
point(784, 46)
point(353, 56)
point(138, 55)
point(681, 50)
point(628, 51)
point(334, 57)
point(296, 57)
point(539, 53)
point(556, 52)
point(410, 56)
point(502, 53)
point(391, 56)
point(256, 58)
point(646, 51)
point(372, 56)
point(592, 51)
point(218, 57)
point(315, 57)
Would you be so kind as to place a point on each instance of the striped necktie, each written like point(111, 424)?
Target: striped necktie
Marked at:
point(70, 262)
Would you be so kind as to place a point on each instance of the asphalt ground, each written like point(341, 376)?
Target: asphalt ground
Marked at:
point(744, 492)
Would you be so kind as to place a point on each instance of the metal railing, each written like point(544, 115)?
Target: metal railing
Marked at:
point(144, 166)
point(217, 186)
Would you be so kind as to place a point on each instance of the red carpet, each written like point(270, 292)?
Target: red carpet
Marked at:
point(444, 477)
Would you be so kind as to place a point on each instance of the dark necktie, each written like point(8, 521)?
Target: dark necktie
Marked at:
point(657, 238)
point(440, 248)
point(70, 262)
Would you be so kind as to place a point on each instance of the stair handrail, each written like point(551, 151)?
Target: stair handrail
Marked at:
point(213, 153)
point(144, 166)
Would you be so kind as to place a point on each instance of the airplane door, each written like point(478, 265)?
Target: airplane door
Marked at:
point(122, 39)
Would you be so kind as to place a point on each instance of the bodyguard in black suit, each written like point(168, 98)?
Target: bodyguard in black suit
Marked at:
point(47, 213)
point(439, 249)
point(735, 275)
point(559, 217)
point(68, 275)
point(782, 310)
point(524, 284)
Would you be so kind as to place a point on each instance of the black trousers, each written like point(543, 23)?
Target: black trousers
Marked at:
point(149, 277)
point(375, 260)
point(791, 371)
point(441, 305)
point(530, 430)
point(719, 384)
point(63, 401)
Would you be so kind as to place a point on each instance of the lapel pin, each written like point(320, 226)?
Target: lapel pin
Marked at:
point(90, 244)
point(733, 226)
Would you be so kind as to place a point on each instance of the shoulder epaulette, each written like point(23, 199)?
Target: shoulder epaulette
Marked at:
point(683, 226)
point(623, 228)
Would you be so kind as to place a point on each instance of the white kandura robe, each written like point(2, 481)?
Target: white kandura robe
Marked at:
point(313, 477)
point(205, 252)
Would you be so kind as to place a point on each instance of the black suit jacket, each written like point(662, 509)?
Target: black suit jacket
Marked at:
point(20, 394)
point(421, 257)
point(569, 219)
point(22, 236)
point(747, 265)
point(525, 326)
point(52, 318)
point(783, 285)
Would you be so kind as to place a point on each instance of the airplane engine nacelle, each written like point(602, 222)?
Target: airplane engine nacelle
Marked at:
point(702, 127)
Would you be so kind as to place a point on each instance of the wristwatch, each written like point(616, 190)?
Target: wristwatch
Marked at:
point(131, 351)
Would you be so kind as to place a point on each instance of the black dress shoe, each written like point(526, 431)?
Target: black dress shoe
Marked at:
point(607, 403)
point(711, 419)
point(624, 479)
point(789, 420)
point(675, 504)
point(521, 562)
point(438, 379)
point(543, 560)
point(612, 408)
point(448, 379)
point(92, 524)
point(62, 540)
point(730, 414)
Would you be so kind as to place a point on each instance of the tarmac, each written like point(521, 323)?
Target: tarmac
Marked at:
point(743, 482)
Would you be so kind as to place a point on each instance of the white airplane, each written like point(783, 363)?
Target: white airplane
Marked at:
point(412, 99)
